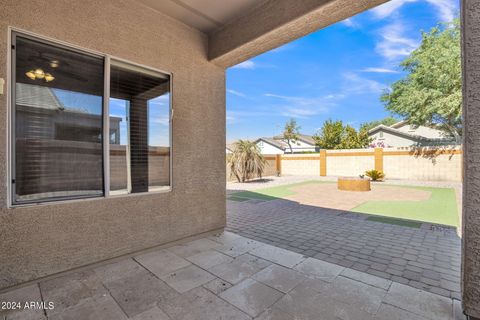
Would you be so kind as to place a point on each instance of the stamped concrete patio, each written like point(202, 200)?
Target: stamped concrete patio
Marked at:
point(226, 276)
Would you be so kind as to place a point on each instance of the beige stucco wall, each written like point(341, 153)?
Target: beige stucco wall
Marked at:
point(301, 164)
point(351, 165)
point(40, 240)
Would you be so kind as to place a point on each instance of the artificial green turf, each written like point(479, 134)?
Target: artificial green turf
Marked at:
point(233, 198)
point(272, 193)
point(397, 222)
point(440, 208)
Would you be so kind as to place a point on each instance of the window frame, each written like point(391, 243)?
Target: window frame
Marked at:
point(10, 119)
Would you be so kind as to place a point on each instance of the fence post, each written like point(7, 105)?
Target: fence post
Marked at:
point(278, 164)
point(379, 159)
point(323, 163)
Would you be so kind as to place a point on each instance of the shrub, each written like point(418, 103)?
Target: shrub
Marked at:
point(375, 175)
point(246, 161)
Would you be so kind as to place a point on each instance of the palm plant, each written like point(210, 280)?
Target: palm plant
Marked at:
point(246, 161)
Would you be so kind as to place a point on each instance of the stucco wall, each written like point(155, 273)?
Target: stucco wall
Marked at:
point(301, 164)
point(40, 240)
point(443, 167)
point(350, 165)
point(471, 186)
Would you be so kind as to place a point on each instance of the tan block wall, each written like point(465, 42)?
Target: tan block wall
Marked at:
point(446, 167)
point(301, 164)
point(37, 241)
point(349, 165)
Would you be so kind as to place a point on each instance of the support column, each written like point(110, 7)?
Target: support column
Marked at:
point(471, 158)
point(379, 159)
point(278, 163)
point(323, 163)
point(139, 145)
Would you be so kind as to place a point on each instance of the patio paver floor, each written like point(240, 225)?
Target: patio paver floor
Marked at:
point(307, 288)
point(427, 258)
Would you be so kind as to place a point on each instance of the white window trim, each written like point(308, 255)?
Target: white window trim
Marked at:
point(106, 123)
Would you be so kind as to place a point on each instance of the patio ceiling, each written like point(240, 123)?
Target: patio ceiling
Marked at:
point(238, 30)
point(204, 15)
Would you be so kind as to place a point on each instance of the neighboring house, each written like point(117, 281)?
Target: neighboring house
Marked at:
point(271, 146)
point(402, 134)
point(278, 145)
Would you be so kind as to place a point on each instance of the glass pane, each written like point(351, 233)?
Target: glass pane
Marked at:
point(58, 123)
point(139, 129)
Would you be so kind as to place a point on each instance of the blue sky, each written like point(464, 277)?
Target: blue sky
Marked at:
point(338, 72)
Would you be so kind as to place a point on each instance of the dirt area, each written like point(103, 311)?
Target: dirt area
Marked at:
point(327, 195)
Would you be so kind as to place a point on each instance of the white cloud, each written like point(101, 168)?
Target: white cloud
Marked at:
point(249, 64)
point(350, 23)
point(236, 93)
point(394, 44)
point(386, 9)
point(355, 84)
point(304, 107)
point(379, 70)
point(447, 9)
point(165, 121)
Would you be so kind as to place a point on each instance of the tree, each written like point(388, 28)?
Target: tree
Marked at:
point(246, 161)
point(291, 133)
point(430, 93)
point(388, 121)
point(334, 135)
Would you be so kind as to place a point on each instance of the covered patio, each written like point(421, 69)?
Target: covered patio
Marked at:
point(136, 251)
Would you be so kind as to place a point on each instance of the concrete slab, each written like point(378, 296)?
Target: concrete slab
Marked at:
point(388, 312)
point(274, 314)
point(224, 237)
point(92, 309)
point(240, 268)
point(117, 270)
point(252, 297)
point(367, 278)
point(162, 262)
point(239, 246)
point(139, 291)
point(278, 255)
point(69, 290)
point(217, 285)
point(423, 303)
point(152, 314)
point(319, 269)
point(201, 304)
point(194, 247)
point(187, 278)
point(279, 278)
point(306, 304)
point(210, 258)
point(354, 293)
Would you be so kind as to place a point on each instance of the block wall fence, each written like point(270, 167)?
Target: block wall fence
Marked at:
point(434, 164)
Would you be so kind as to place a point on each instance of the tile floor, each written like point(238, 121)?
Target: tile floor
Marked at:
point(226, 276)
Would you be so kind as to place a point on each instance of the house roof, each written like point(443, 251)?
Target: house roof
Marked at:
point(274, 142)
point(36, 97)
point(405, 134)
point(301, 137)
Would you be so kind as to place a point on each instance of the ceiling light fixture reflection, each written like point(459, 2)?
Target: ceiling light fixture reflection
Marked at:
point(54, 63)
point(39, 74)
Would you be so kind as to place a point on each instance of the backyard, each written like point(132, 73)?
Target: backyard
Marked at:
point(408, 205)
point(404, 231)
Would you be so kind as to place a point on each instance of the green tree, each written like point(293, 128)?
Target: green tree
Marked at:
point(334, 135)
point(291, 133)
point(388, 121)
point(246, 161)
point(330, 135)
point(430, 93)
